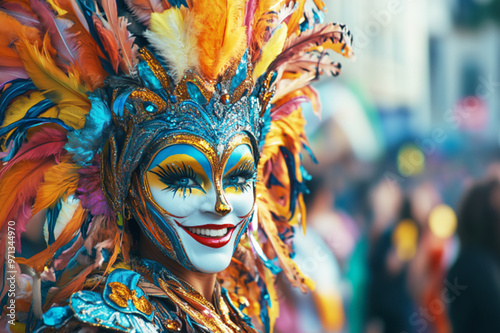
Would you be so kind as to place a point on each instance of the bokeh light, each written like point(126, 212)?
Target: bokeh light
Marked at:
point(411, 160)
point(443, 221)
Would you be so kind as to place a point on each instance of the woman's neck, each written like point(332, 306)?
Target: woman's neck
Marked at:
point(201, 282)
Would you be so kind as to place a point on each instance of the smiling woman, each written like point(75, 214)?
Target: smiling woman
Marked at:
point(205, 202)
point(160, 141)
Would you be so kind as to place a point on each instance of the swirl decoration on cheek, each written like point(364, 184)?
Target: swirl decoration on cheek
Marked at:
point(90, 89)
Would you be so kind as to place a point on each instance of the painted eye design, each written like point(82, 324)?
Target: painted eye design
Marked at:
point(178, 178)
point(242, 177)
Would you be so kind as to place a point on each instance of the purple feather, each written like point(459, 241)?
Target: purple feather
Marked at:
point(90, 193)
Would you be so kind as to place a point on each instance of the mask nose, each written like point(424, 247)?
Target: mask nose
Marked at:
point(222, 206)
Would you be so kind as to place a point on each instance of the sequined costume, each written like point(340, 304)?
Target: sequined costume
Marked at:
point(93, 92)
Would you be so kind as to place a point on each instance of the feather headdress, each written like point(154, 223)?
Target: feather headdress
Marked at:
point(58, 60)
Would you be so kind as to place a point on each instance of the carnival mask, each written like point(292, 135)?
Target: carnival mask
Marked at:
point(203, 201)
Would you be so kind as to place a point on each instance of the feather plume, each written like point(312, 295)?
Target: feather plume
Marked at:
point(46, 142)
point(314, 61)
point(173, 37)
point(72, 116)
point(18, 189)
point(118, 27)
point(88, 52)
point(90, 192)
point(41, 68)
point(60, 181)
point(297, 45)
point(143, 9)
point(109, 42)
point(270, 51)
point(8, 74)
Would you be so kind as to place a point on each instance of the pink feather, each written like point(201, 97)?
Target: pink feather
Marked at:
point(20, 13)
point(318, 62)
point(287, 108)
point(249, 15)
point(57, 30)
point(297, 45)
point(8, 74)
point(118, 26)
point(142, 9)
point(48, 141)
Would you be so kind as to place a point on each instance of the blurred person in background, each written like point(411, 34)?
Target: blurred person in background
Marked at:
point(474, 298)
point(389, 302)
point(428, 268)
point(321, 310)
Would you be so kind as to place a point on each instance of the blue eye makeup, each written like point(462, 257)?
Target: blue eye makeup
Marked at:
point(178, 178)
point(241, 178)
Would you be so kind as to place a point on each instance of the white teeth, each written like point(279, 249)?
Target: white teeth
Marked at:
point(209, 232)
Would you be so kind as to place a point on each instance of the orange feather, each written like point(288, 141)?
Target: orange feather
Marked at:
point(210, 32)
point(234, 42)
point(88, 53)
point(60, 181)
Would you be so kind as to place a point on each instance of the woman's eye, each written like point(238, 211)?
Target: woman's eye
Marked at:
point(236, 180)
point(185, 182)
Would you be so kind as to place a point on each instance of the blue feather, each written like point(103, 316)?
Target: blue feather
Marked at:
point(52, 214)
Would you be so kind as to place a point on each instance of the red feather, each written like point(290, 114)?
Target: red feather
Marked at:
point(47, 142)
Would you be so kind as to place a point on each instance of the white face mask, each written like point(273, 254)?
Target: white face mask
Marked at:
point(206, 201)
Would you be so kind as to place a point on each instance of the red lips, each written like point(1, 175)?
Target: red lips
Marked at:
point(213, 242)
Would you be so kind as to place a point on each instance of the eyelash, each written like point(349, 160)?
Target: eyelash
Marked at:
point(247, 171)
point(174, 173)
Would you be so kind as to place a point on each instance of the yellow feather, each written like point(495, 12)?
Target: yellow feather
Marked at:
point(73, 116)
point(17, 110)
point(172, 34)
point(42, 69)
point(270, 51)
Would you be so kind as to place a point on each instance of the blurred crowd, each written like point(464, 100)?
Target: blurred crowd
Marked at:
point(403, 225)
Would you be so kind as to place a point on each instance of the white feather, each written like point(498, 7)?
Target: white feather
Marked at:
point(172, 35)
point(66, 213)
